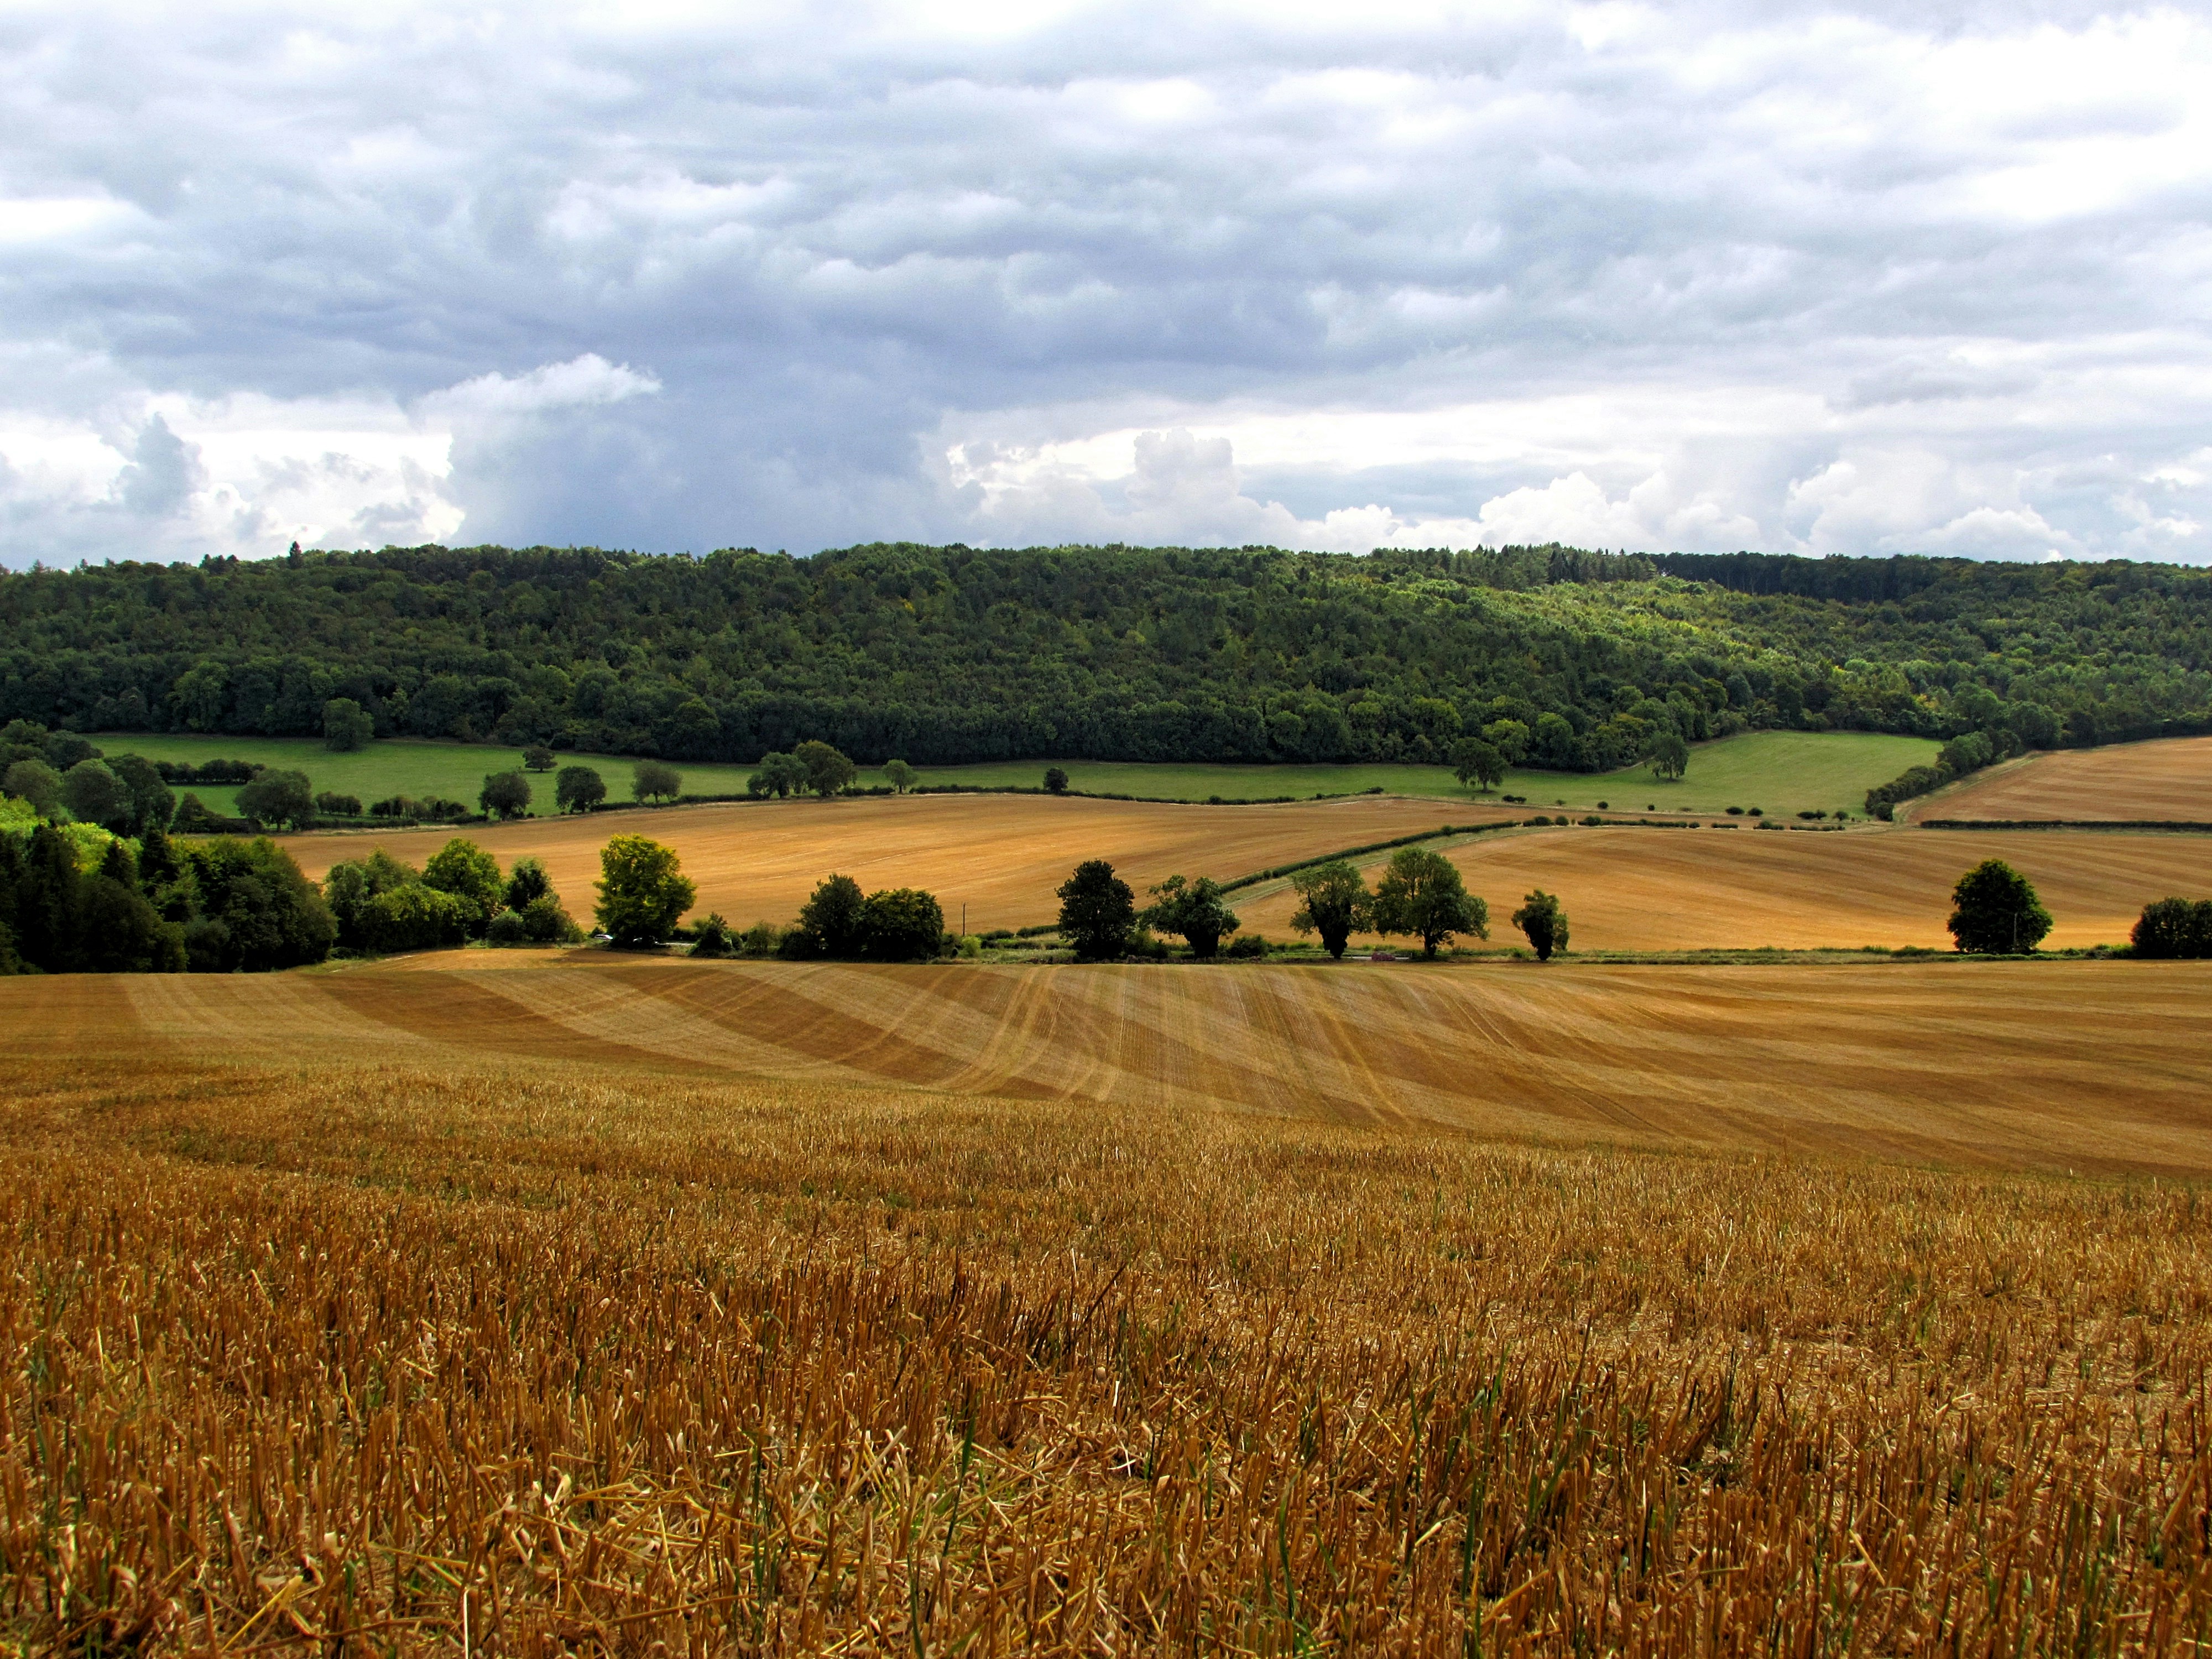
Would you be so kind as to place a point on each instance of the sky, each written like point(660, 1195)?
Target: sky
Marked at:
point(1890, 278)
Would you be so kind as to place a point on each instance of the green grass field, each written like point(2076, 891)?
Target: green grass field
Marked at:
point(1779, 771)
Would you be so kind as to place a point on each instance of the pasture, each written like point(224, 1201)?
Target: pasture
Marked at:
point(566, 1304)
point(2167, 779)
point(1781, 771)
point(1000, 855)
point(1637, 889)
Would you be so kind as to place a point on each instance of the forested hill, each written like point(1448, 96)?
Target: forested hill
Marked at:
point(947, 654)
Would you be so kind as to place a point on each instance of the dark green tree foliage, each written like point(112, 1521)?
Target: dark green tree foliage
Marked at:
point(36, 781)
point(2175, 928)
point(93, 794)
point(578, 789)
point(828, 770)
point(830, 922)
point(256, 911)
point(471, 874)
point(1193, 911)
point(505, 795)
point(1421, 895)
point(352, 887)
point(1477, 764)
point(1055, 781)
point(960, 655)
point(1670, 756)
point(1994, 911)
point(1097, 912)
point(652, 780)
point(901, 924)
point(152, 802)
point(1333, 902)
point(278, 799)
point(526, 881)
point(713, 938)
point(347, 726)
point(778, 775)
point(1543, 923)
point(537, 758)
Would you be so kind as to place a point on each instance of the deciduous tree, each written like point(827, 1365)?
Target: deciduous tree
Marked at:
point(470, 874)
point(1333, 901)
point(1192, 910)
point(1097, 912)
point(1994, 911)
point(1544, 923)
point(643, 891)
point(655, 781)
point(346, 724)
point(578, 789)
point(1421, 895)
point(505, 795)
point(828, 771)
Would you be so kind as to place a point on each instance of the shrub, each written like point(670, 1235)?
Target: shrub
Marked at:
point(506, 929)
point(1248, 944)
point(547, 922)
point(194, 817)
point(712, 938)
point(760, 940)
point(1736, 811)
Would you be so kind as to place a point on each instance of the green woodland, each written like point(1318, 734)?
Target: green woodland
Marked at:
point(958, 655)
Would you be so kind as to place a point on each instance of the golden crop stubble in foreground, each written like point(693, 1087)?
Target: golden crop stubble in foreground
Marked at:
point(302, 1353)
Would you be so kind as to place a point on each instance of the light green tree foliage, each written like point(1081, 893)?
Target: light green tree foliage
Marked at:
point(655, 781)
point(470, 874)
point(1422, 895)
point(1477, 764)
point(901, 776)
point(777, 774)
point(350, 886)
point(643, 891)
point(1510, 738)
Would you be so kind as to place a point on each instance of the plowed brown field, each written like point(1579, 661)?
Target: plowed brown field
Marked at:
point(2169, 779)
point(1695, 889)
point(2082, 1064)
point(1000, 855)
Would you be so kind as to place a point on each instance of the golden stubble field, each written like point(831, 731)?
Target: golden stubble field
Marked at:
point(2165, 780)
point(581, 1306)
point(1000, 855)
point(1635, 888)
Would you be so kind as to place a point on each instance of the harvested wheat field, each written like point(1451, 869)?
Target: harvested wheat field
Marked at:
point(1629, 889)
point(630, 1307)
point(1000, 855)
point(2165, 780)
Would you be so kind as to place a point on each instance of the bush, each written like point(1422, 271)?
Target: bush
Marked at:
point(1248, 944)
point(761, 939)
point(194, 817)
point(506, 929)
point(2175, 928)
point(712, 938)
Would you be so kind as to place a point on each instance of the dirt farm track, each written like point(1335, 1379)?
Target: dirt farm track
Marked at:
point(2087, 1065)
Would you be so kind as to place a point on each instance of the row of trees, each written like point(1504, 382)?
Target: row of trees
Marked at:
point(382, 905)
point(958, 654)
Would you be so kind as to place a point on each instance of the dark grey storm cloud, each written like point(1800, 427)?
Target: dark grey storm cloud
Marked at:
point(1866, 279)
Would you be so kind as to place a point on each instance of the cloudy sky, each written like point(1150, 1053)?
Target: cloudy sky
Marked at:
point(1898, 278)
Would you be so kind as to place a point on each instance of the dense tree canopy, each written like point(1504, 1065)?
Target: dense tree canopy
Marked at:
point(949, 654)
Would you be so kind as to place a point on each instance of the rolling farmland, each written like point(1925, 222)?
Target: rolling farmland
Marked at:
point(2169, 779)
point(1001, 855)
point(568, 1304)
point(1633, 889)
